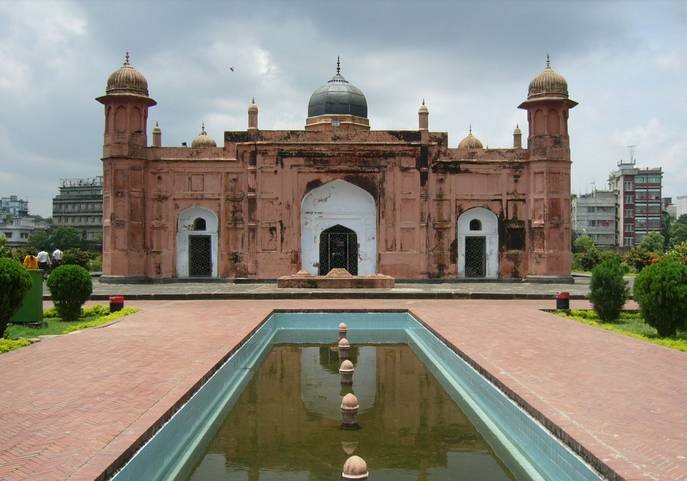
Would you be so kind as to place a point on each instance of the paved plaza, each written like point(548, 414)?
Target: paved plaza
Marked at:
point(76, 406)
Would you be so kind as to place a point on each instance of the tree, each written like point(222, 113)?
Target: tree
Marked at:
point(583, 243)
point(4, 250)
point(653, 242)
point(65, 238)
point(678, 233)
point(15, 282)
point(39, 241)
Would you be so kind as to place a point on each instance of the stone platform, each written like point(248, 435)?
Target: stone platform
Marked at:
point(336, 279)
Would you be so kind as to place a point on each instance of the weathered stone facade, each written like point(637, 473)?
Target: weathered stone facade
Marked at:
point(248, 199)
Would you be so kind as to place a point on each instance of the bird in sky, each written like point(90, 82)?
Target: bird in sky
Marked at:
point(231, 68)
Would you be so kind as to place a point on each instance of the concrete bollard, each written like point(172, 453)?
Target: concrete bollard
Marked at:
point(355, 467)
point(349, 411)
point(344, 348)
point(346, 371)
point(343, 330)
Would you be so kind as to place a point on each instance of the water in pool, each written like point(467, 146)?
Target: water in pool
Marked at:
point(286, 425)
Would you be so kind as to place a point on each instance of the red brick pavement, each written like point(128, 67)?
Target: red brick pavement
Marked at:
point(70, 406)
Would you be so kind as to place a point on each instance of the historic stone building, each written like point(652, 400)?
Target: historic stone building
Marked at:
point(269, 203)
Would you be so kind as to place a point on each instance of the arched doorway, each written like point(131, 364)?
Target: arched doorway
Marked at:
point(338, 249)
point(348, 211)
point(197, 243)
point(478, 244)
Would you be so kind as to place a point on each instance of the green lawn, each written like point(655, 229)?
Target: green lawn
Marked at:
point(17, 335)
point(630, 324)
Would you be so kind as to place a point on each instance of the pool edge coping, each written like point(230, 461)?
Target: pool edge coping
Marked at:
point(554, 429)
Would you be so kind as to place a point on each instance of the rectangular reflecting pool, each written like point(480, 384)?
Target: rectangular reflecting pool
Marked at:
point(271, 411)
point(287, 422)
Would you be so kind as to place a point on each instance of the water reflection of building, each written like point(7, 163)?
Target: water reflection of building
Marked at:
point(412, 424)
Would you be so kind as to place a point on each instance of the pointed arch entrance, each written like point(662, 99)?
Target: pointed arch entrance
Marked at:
point(478, 244)
point(197, 243)
point(338, 224)
point(338, 249)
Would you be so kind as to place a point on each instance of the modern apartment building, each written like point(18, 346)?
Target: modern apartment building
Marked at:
point(681, 205)
point(639, 201)
point(14, 206)
point(80, 205)
point(17, 230)
point(595, 215)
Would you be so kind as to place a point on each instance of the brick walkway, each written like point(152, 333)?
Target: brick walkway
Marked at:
point(70, 406)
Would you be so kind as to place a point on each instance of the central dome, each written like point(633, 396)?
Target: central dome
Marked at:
point(337, 97)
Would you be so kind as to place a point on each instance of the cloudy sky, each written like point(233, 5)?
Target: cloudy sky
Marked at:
point(625, 62)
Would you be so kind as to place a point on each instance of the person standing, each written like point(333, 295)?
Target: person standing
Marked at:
point(43, 260)
point(56, 258)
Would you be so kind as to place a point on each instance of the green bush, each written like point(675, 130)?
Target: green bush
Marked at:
point(639, 258)
point(78, 257)
point(70, 286)
point(15, 282)
point(661, 291)
point(583, 243)
point(608, 289)
point(587, 260)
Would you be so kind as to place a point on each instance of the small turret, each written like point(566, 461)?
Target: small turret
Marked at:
point(252, 116)
point(423, 122)
point(517, 137)
point(157, 136)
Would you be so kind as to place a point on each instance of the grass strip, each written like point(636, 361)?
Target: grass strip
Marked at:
point(630, 324)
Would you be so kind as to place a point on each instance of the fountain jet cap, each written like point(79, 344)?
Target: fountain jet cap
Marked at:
point(344, 348)
point(349, 410)
point(346, 371)
point(343, 329)
point(355, 467)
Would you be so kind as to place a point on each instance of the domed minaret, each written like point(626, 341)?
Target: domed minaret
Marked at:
point(337, 104)
point(548, 198)
point(547, 108)
point(126, 104)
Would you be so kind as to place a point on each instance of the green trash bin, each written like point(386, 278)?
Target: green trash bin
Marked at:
point(31, 309)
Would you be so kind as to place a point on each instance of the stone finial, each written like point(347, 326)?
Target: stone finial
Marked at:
point(355, 467)
point(157, 135)
point(338, 65)
point(344, 348)
point(349, 411)
point(252, 116)
point(346, 371)
point(517, 137)
point(343, 330)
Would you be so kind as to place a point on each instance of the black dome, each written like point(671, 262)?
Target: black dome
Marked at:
point(338, 97)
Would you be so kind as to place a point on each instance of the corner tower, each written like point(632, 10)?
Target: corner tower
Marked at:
point(547, 108)
point(337, 105)
point(549, 232)
point(126, 104)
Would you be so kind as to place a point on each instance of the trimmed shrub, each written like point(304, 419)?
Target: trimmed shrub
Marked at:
point(70, 286)
point(588, 259)
point(661, 291)
point(608, 289)
point(15, 282)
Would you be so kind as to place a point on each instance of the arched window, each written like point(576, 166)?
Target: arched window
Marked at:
point(475, 224)
point(199, 224)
